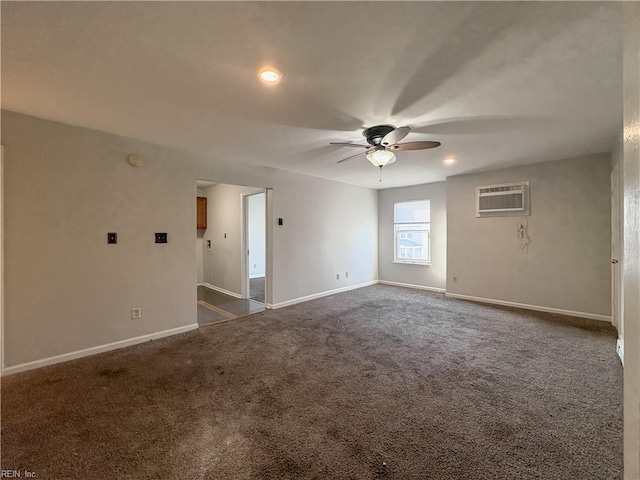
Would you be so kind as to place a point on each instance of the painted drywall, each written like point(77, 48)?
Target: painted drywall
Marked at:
point(223, 263)
point(434, 275)
point(567, 265)
point(200, 245)
point(256, 205)
point(328, 229)
point(66, 187)
point(631, 229)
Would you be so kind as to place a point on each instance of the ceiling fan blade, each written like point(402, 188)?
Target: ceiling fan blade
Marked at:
point(415, 145)
point(395, 136)
point(350, 157)
point(345, 144)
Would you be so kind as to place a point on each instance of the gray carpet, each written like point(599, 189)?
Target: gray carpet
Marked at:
point(256, 289)
point(376, 383)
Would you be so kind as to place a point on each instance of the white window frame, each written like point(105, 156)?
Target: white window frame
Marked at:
point(396, 233)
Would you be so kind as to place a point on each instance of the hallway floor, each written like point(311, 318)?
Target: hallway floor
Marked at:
point(256, 289)
point(215, 307)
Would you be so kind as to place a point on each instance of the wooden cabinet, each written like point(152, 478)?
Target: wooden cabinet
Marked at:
point(201, 212)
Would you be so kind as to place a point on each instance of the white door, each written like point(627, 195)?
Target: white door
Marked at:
point(616, 248)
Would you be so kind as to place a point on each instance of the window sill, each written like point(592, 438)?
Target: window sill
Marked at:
point(422, 264)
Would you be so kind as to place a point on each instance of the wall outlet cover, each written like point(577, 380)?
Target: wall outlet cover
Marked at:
point(161, 237)
point(112, 238)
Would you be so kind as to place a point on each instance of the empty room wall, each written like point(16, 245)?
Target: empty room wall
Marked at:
point(434, 275)
point(328, 229)
point(223, 263)
point(567, 266)
point(66, 290)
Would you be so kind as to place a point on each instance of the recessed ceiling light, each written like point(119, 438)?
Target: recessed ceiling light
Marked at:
point(270, 75)
point(449, 161)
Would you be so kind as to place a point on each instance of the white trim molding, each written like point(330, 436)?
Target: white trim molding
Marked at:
point(94, 350)
point(221, 290)
point(410, 285)
point(319, 295)
point(620, 350)
point(538, 308)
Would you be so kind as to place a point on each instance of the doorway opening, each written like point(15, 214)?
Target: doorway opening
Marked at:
point(255, 240)
point(228, 227)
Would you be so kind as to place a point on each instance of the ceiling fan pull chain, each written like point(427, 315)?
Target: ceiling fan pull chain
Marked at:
point(380, 174)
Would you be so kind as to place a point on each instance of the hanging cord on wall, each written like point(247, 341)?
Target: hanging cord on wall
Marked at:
point(523, 235)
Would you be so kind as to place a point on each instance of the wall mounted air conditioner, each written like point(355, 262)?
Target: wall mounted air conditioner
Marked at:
point(502, 200)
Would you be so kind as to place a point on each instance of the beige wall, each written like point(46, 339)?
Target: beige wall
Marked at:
point(567, 266)
point(66, 187)
point(631, 229)
point(434, 275)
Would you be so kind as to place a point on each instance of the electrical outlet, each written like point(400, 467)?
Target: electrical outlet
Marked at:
point(208, 244)
point(337, 276)
point(346, 274)
point(455, 279)
point(136, 313)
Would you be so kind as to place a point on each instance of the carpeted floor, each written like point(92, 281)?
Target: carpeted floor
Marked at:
point(376, 383)
point(256, 289)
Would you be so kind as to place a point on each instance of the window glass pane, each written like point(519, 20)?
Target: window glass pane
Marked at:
point(412, 212)
point(411, 225)
point(414, 247)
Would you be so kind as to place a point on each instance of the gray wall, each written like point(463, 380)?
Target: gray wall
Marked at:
point(67, 290)
point(568, 262)
point(223, 263)
point(434, 275)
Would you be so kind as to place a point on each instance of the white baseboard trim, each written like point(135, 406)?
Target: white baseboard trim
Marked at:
point(319, 295)
point(411, 285)
point(592, 316)
point(620, 350)
point(257, 275)
point(23, 367)
point(221, 290)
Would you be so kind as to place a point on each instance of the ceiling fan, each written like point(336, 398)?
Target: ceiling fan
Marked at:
point(382, 142)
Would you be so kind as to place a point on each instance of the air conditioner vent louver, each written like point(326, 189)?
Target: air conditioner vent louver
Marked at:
point(502, 200)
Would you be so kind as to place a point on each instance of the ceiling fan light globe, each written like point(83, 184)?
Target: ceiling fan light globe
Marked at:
point(380, 158)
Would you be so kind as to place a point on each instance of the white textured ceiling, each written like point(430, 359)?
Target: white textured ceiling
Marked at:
point(497, 83)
